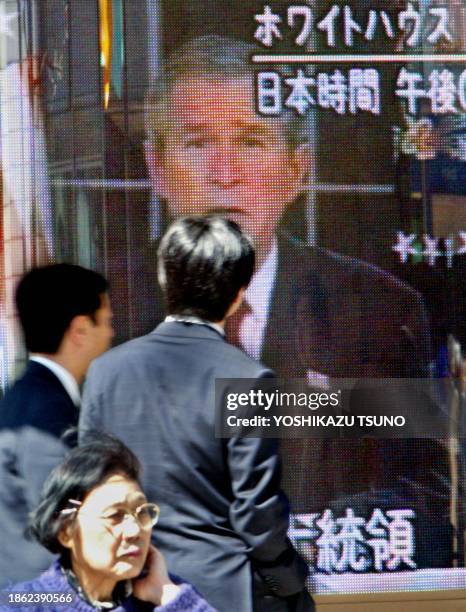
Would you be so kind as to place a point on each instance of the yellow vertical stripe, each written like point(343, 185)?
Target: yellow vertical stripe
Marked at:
point(105, 40)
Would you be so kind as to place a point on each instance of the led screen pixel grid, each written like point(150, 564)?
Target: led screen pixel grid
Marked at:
point(349, 175)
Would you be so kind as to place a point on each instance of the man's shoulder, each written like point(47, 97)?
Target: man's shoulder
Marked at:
point(35, 375)
point(236, 360)
point(36, 395)
point(123, 353)
point(204, 349)
point(133, 356)
point(340, 271)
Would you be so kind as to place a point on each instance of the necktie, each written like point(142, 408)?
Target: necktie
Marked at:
point(233, 324)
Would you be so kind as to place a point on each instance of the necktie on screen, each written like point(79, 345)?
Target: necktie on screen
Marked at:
point(233, 324)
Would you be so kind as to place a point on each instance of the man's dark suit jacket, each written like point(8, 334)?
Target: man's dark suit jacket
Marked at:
point(345, 318)
point(222, 510)
point(341, 317)
point(33, 415)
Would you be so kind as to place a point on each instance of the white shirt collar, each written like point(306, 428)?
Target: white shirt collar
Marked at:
point(196, 320)
point(65, 377)
point(259, 290)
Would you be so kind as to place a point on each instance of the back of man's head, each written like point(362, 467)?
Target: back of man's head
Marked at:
point(50, 297)
point(203, 262)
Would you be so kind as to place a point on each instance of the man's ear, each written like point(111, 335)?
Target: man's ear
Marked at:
point(236, 302)
point(155, 168)
point(78, 329)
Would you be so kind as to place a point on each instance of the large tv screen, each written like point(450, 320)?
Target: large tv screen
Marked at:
point(335, 135)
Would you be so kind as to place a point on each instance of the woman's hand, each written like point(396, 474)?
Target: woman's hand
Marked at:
point(156, 587)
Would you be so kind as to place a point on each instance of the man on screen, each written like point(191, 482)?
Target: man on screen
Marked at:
point(309, 313)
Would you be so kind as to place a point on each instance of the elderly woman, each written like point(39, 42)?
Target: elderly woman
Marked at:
point(95, 515)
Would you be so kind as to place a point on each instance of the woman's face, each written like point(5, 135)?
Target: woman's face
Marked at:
point(104, 546)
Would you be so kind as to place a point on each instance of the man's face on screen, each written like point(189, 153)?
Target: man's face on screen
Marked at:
point(221, 157)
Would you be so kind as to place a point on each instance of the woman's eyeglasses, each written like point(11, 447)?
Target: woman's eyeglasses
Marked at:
point(146, 514)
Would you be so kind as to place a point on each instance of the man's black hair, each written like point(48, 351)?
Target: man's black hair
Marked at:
point(48, 299)
point(203, 262)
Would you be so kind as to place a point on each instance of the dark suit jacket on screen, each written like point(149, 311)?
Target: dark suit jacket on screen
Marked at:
point(33, 415)
point(341, 317)
point(222, 511)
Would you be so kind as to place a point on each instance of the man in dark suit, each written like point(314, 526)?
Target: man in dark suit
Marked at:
point(224, 519)
point(311, 313)
point(65, 315)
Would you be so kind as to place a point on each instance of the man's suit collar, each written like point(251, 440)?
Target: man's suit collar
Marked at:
point(191, 319)
point(298, 317)
point(278, 336)
point(39, 371)
point(187, 330)
point(65, 377)
point(259, 290)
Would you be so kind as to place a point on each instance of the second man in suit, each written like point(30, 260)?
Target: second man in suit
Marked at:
point(224, 519)
point(65, 314)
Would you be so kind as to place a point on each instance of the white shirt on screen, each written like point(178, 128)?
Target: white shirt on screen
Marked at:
point(66, 379)
point(258, 296)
